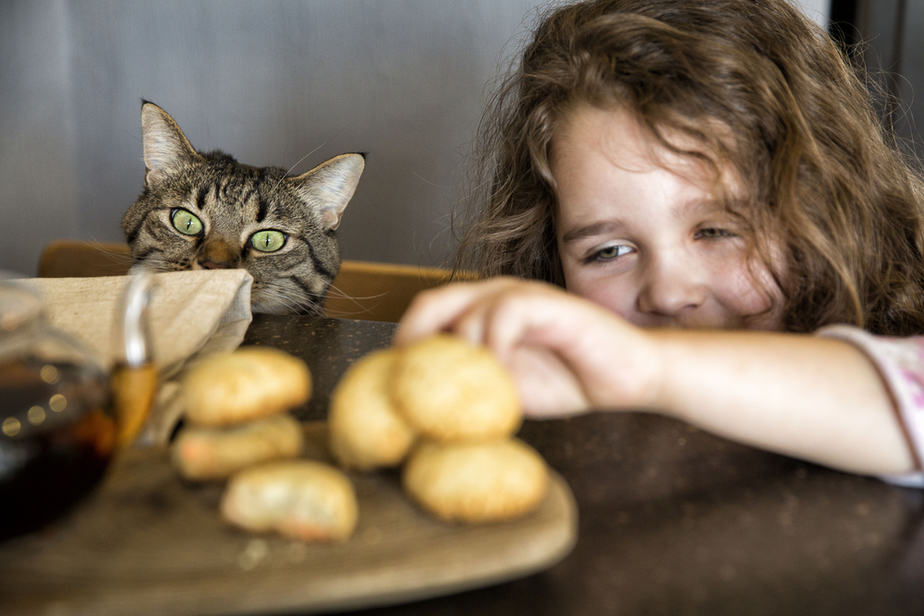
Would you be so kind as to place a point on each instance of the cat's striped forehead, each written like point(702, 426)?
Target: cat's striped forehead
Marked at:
point(241, 191)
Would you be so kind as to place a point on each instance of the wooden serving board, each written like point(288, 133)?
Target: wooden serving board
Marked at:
point(147, 542)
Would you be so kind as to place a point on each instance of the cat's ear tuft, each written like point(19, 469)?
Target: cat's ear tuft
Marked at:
point(330, 186)
point(166, 149)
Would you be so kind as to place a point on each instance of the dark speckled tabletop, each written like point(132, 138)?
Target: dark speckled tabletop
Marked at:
point(674, 520)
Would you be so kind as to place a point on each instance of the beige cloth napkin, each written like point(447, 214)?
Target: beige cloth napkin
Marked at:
point(191, 314)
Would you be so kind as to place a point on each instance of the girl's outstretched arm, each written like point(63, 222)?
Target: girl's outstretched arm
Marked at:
point(814, 398)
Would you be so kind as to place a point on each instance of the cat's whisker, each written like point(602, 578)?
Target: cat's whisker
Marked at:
point(348, 314)
point(340, 294)
point(296, 164)
point(105, 249)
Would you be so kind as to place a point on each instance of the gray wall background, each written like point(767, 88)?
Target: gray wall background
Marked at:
point(892, 51)
point(275, 82)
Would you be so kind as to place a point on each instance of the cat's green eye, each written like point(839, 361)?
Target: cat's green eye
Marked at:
point(185, 222)
point(268, 240)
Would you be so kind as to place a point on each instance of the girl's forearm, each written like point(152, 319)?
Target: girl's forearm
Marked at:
point(814, 398)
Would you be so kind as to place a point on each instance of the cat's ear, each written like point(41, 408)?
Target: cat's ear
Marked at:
point(330, 186)
point(166, 149)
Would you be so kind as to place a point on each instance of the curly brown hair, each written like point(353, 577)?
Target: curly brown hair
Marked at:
point(824, 177)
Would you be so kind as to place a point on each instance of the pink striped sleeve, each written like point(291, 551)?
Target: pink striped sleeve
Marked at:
point(900, 361)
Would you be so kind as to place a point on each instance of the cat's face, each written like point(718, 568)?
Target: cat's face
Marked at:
point(207, 211)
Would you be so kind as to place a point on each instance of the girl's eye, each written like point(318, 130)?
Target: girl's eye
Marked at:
point(608, 253)
point(268, 240)
point(711, 233)
point(185, 221)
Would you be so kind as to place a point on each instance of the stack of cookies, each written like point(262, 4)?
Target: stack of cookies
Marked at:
point(237, 427)
point(444, 410)
point(447, 410)
point(236, 412)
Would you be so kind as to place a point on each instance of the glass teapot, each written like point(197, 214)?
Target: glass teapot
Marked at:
point(62, 415)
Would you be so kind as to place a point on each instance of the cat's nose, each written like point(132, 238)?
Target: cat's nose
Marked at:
point(217, 254)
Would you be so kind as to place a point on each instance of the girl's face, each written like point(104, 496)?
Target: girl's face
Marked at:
point(652, 244)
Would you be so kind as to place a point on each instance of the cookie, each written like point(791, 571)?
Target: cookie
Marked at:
point(449, 390)
point(299, 499)
point(365, 432)
point(476, 482)
point(248, 383)
point(204, 453)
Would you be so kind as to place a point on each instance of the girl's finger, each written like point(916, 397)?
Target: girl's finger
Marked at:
point(471, 324)
point(516, 314)
point(438, 309)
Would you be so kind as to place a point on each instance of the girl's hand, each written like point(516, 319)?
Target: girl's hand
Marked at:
point(815, 398)
point(566, 354)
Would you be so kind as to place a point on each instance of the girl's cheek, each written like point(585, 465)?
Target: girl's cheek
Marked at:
point(604, 291)
point(754, 295)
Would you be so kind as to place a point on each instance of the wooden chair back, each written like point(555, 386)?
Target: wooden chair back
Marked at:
point(362, 290)
point(76, 259)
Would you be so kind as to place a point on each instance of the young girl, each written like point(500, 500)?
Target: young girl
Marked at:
point(712, 177)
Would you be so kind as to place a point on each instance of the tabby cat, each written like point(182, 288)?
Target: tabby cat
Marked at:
point(204, 210)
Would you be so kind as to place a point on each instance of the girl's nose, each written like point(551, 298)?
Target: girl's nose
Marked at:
point(671, 288)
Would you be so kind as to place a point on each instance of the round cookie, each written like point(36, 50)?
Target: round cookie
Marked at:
point(365, 431)
point(245, 384)
point(449, 390)
point(477, 481)
point(203, 452)
point(299, 499)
